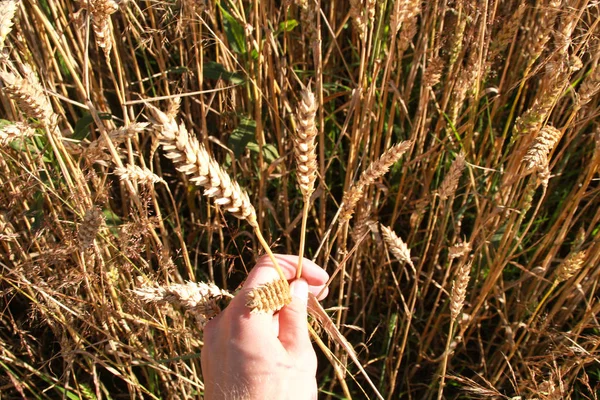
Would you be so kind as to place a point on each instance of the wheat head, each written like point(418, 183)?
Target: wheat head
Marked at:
point(138, 174)
point(29, 95)
point(269, 297)
point(192, 158)
point(8, 8)
point(396, 245)
point(375, 171)
point(18, 130)
point(450, 182)
point(304, 143)
point(536, 158)
point(459, 289)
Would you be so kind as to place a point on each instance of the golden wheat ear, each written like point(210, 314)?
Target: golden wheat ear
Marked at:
point(270, 297)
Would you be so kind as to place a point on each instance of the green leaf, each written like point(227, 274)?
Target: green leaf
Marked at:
point(214, 70)
point(287, 26)
point(242, 136)
point(234, 31)
point(82, 127)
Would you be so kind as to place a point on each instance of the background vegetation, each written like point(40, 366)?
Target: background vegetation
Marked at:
point(498, 191)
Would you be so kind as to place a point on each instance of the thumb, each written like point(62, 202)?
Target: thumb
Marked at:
point(293, 328)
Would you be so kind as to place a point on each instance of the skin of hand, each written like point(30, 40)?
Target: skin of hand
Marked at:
point(264, 355)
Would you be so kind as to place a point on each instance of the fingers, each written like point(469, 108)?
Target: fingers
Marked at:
point(314, 277)
point(293, 333)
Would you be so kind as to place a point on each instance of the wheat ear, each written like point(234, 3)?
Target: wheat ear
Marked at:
point(8, 9)
point(536, 158)
point(135, 173)
point(272, 296)
point(457, 300)
point(199, 298)
point(27, 92)
point(396, 245)
point(101, 11)
point(18, 130)
point(375, 171)
point(192, 158)
point(306, 159)
point(450, 182)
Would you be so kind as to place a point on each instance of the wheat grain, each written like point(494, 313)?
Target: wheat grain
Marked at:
point(396, 245)
point(536, 158)
point(192, 158)
point(29, 95)
point(88, 229)
point(8, 8)
point(304, 143)
point(270, 297)
point(570, 266)
point(459, 289)
point(358, 18)
point(376, 170)
point(459, 249)
point(450, 182)
point(18, 130)
point(138, 174)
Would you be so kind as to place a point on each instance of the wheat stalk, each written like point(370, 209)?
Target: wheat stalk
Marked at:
point(375, 171)
point(306, 159)
point(457, 300)
point(8, 9)
point(191, 158)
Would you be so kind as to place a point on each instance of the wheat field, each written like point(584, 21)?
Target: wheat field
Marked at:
point(440, 160)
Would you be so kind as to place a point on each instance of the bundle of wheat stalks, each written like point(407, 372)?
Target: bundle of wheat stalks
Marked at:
point(439, 159)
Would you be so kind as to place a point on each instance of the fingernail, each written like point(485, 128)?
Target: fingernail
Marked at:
point(299, 289)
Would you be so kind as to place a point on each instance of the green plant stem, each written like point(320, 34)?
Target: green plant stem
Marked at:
point(445, 360)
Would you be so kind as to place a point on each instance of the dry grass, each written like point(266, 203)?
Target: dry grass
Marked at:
point(494, 107)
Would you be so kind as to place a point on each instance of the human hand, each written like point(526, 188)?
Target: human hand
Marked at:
point(264, 355)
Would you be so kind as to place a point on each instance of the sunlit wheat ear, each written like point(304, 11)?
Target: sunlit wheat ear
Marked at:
point(97, 151)
point(92, 220)
point(404, 10)
point(137, 174)
point(375, 171)
point(269, 297)
point(101, 11)
point(198, 298)
point(8, 8)
point(590, 86)
point(536, 158)
point(396, 245)
point(304, 143)
point(28, 94)
point(459, 289)
point(570, 266)
point(191, 158)
point(18, 130)
point(450, 182)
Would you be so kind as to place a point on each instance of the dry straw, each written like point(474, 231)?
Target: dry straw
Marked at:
point(375, 171)
point(270, 297)
point(8, 8)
